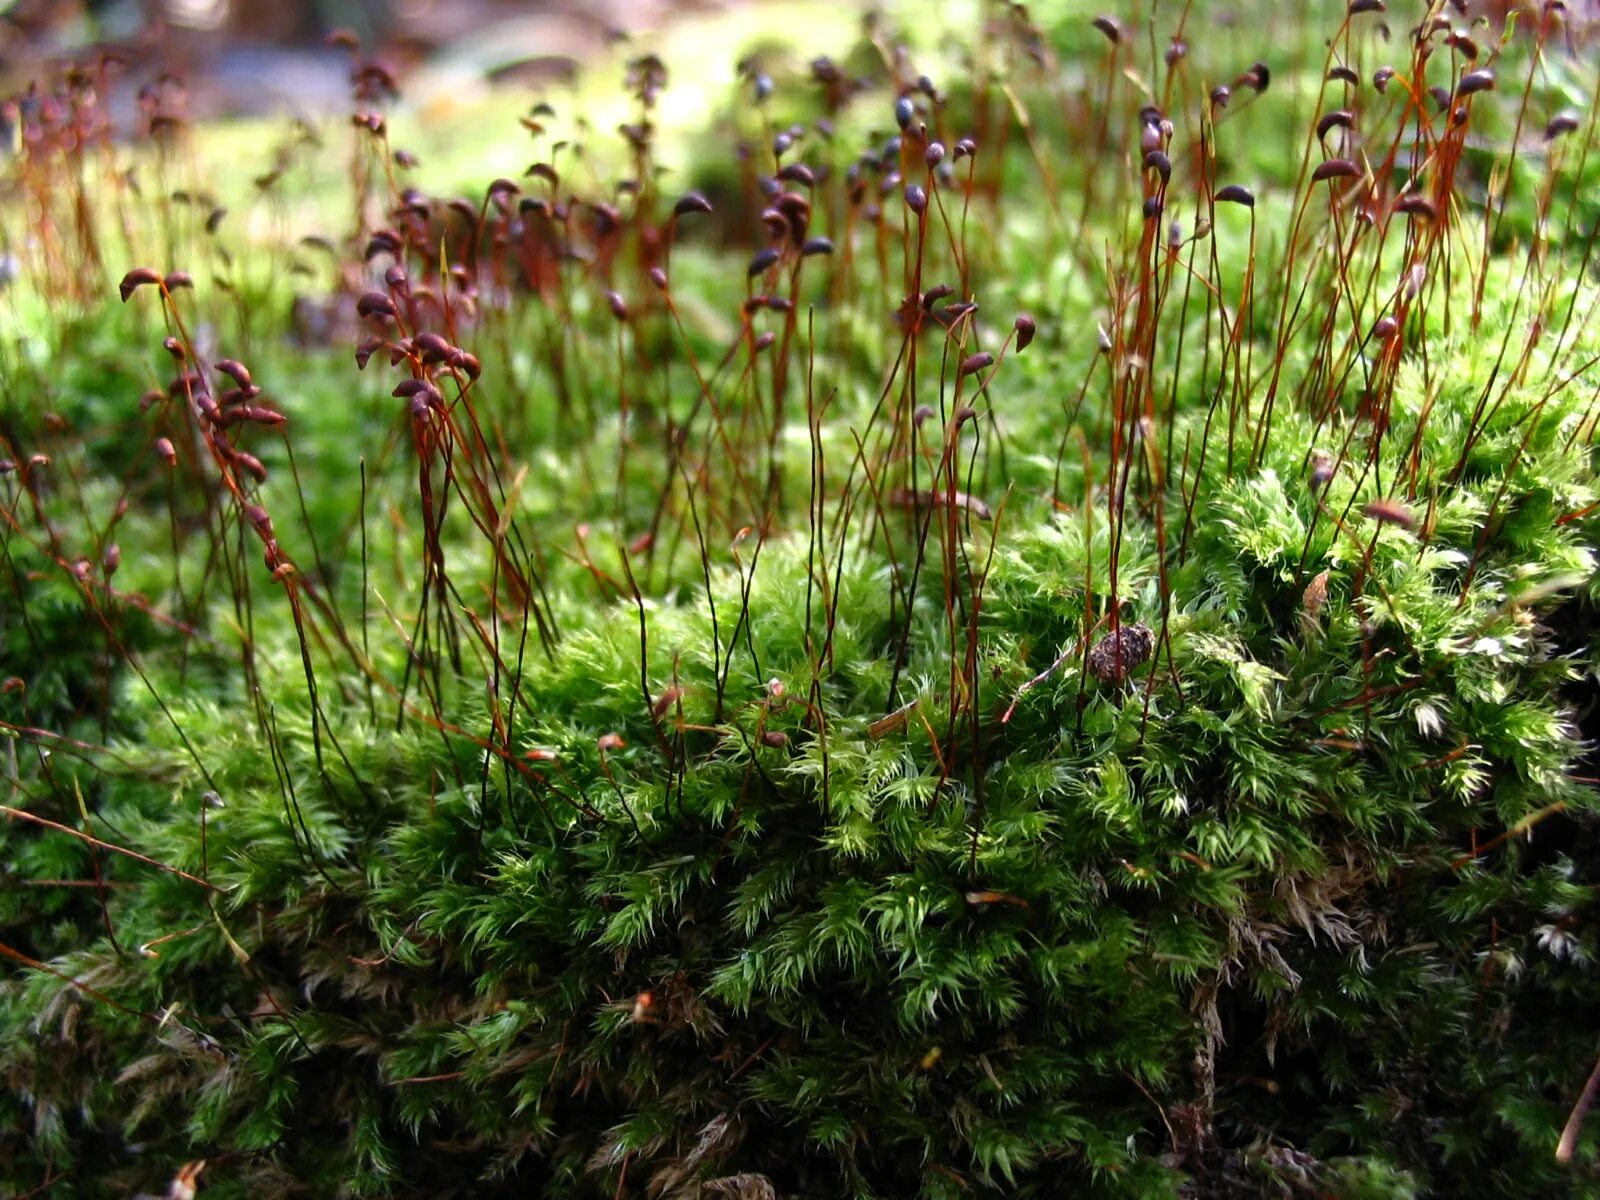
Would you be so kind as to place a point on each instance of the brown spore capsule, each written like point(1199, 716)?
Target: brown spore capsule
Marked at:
point(135, 279)
point(1559, 125)
point(1335, 168)
point(1391, 512)
point(691, 202)
point(975, 362)
point(1339, 119)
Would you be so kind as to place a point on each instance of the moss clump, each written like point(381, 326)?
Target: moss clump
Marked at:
point(709, 705)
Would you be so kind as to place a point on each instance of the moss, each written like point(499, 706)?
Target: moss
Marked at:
point(646, 758)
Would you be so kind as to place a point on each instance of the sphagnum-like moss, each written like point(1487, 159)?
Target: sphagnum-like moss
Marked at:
point(712, 702)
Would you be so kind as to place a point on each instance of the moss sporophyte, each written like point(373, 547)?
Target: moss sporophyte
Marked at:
point(1002, 604)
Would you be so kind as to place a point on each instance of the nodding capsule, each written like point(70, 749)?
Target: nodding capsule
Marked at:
point(1559, 125)
point(1391, 512)
point(619, 306)
point(1381, 78)
point(418, 389)
point(797, 172)
point(1177, 50)
point(659, 278)
point(234, 370)
point(1339, 119)
point(1441, 97)
point(775, 738)
point(166, 451)
point(1234, 194)
point(136, 278)
point(764, 342)
point(916, 199)
point(1025, 330)
point(975, 362)
point(762, 261)
point(1152, 208)
point(1157, 161)
point(1475, 81)
point(252, 465)
point(175, 348)
point(1417, 206)
point(376, 304)
point(1110, 27)
point(1343, 74)
point(1385, 328)
point(1357, 7)
point(816, 245)
point(1335, 168)
point(962, 414)
point(933, 155)
point(545, 172)
point(174, 280)
point(1220, 95)
point(935, 294)
point(777, 224)
point(432, 348)
point(904, 111)
point(691, 202)
point(1257, 78)
point(781, 144)
point(966, 148)
point(921, 414)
